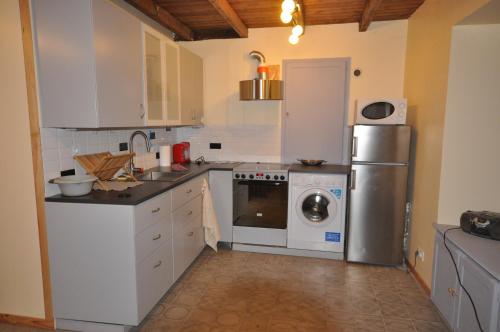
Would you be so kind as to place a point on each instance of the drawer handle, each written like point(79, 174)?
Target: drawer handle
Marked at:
point(190, 233)
point(157, 237)
point(157, 265)
point(189, 191)
point(155, 210)
point(190, 213)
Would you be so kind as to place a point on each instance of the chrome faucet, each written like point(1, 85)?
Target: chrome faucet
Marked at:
point(131, 146)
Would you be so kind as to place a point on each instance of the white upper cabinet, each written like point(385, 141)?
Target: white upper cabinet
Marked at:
point(191, 74)
point(161, 79)
point(89, 62)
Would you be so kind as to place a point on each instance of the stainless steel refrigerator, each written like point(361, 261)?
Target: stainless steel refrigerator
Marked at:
point(378, 193)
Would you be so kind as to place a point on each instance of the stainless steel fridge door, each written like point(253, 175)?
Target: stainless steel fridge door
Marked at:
point(376, 214)
point(381, 144)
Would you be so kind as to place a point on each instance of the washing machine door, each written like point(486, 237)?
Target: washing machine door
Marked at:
point(317, 207)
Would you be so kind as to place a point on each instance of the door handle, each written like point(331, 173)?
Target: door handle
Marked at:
point(354, 151)
point(353, 179)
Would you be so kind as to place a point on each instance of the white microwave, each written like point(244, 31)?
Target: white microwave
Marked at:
point(381, 111)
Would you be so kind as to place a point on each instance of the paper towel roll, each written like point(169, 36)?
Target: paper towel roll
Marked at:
point(165, 155)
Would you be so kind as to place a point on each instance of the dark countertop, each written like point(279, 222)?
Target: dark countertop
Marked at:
point(482, 251)
point(323, 169)
point(139, 194)
point(150, 189)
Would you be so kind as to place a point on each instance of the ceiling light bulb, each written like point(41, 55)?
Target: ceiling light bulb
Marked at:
point(288, 6)
point(286, 17)
point(298, 30)
point(293, 39)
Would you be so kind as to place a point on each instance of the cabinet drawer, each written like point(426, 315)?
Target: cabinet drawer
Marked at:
point(187, 212)
point(152, 237)
point(151, 211)
point(188, 241)
point(184, 193)
point(154, 278)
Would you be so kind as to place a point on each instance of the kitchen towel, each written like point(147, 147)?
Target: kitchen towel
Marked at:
point(165, 155)
point(210, 222)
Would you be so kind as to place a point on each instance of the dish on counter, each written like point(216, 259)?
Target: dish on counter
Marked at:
point(312, 162)
point(75, 185)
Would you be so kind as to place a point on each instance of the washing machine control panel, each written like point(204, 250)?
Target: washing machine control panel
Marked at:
point(279, 176)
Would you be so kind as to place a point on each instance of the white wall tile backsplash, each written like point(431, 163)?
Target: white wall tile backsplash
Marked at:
point(239, 143)
point(60, 145)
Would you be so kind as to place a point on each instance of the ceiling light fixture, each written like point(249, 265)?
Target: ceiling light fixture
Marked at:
point(292, 12)
point(286, 17)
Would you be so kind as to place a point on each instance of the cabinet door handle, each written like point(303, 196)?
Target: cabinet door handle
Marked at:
point(143, 112)
point(157, 265)
point(190, 233)
point(451, 291)
point(157, 237)
point(155, 210)
point(189, 191)
point(190, 213)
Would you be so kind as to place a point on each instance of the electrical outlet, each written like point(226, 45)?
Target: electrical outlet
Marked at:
point(420, 254)
point(216, 146)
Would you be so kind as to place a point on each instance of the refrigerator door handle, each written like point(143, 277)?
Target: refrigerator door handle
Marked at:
point(353, 180)
point(354, 151)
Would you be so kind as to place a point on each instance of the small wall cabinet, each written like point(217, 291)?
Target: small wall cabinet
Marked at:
point(161, 79)
point(89, 64)
point(483, 286)
point(191, 73)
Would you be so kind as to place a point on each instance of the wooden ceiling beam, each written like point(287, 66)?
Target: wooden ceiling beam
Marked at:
point(231, 17)
point(368, 14)
point(162, 16)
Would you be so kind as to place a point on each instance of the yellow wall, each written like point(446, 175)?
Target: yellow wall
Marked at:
point(379, 52)
point(426, 81)
point(21, 290)
point(470, 164)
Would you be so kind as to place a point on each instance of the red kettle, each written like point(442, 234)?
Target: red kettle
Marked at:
point(181, 153)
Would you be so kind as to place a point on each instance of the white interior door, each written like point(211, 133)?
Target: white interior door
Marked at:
point(315, 109)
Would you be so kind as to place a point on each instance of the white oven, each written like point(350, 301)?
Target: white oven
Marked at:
point(381, 111)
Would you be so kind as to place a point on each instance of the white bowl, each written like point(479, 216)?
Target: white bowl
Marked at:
point(75, 185)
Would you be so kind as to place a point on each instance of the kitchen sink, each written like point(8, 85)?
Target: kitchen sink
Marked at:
point(164, 176)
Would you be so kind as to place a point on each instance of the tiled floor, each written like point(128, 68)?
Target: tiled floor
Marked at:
point(236, 291)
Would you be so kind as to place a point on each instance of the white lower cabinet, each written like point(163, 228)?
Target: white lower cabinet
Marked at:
point(452, 302)
point(187, 225)
point(112, 263)
point(154, 277)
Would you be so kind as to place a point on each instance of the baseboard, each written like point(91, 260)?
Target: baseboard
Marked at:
point(40, 323)
point(419, 279)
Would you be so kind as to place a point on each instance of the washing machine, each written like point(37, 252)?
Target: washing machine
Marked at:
point(317, 211)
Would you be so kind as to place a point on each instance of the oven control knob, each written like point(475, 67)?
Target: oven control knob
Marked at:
point(282, 177)
point(276, 177)
point(251, 176)
point(237, 176)
point(268, 177)
point(243, 176)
